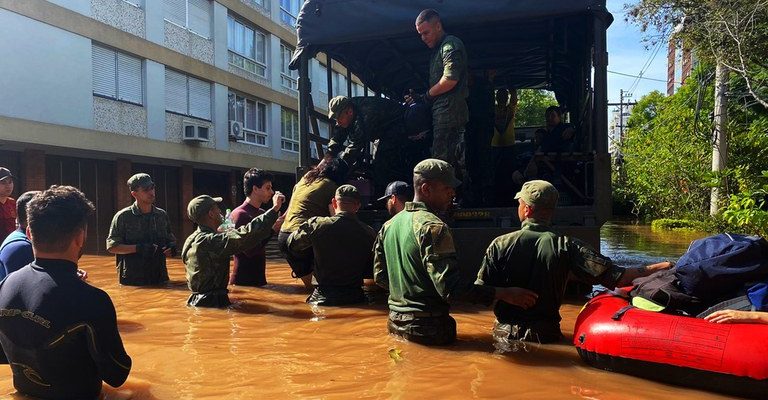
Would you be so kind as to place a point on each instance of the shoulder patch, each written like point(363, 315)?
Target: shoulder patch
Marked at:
point(448, 46)
point(442, 240)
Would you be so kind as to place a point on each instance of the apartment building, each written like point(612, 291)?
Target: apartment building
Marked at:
point(193, 92)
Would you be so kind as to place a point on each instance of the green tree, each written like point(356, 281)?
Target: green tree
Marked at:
point(531, 104)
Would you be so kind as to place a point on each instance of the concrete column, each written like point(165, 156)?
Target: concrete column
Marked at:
point(221, 116)
point(153, 19)
point(33, 166)
point(220, 36)
point(274, 130)
point(122, 192)
point(274, 62)
point(185, 177)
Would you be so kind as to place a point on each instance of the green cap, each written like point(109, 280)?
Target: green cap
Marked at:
point(433, 169)
point(140, 180)
point(200, 206)
point(348, 192)
point(538, 194)
point(337, 105)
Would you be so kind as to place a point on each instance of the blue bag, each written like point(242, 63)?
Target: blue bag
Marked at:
point(721, 265)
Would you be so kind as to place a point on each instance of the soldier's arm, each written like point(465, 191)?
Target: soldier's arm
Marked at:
point(439, 258)
point(453, 65)
point(116, 237)
point(380, 274)
point(237, 240)
point(591, 267)
point(357, 140)
point(336, 145)
point(487, 275)
point(301, 238)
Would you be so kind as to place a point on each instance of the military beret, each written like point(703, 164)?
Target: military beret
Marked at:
point(337, 105)
point(140, 180)
point(348, 192)
point(538, 194)
point(200, 205)
point(437, 170)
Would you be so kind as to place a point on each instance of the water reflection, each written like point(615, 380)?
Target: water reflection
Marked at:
point(631, 245)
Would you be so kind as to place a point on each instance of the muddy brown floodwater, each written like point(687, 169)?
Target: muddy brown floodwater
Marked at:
point(271, 345)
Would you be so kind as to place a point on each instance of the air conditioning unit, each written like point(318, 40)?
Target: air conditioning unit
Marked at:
point(236, 131)
point(193, 132)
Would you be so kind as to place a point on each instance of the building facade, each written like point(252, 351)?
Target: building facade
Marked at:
point(193, 92)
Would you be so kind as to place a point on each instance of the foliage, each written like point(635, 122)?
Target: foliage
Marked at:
point(531, 105)
point(733, 32)
point(666, 154)
point(747, 211)
point(670, 224)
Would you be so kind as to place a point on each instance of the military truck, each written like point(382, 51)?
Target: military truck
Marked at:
point(558, 45)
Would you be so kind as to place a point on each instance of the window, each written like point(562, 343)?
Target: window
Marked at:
point(195, 15)
point(187, 95)
point(358, 90)
point(288, 78)
point(289, 11)
point(289, 130)
point(117, 75)
point(252, 114)
point(339, 84)
point(247, 47)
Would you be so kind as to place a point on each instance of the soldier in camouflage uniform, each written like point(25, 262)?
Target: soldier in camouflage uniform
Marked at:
point(447, 91)
point(415, 258)
point(361, 120)
point(206, 253)
point(540, 259)
point(339, 269)
point(140, 237)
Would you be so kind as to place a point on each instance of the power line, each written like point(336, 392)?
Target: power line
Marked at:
point(647, 65)
point(636, 76)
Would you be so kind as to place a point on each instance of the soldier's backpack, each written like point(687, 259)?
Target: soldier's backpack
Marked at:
point(721, 265)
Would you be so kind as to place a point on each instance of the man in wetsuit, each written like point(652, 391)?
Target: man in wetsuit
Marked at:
point(58, 333)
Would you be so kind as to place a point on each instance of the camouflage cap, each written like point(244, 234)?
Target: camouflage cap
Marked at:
point(437, 170)
point(538, 194)
point(347, 192)
point(5, 173)
point(337, 105)
point(140, 180)
point(200, 205)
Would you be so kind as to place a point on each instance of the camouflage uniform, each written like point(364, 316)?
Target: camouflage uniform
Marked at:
point(342, 248)
point(206, 255)
point(449, 110)
point(539, 259)
point(131, 227)
point(375, 118)
point(415, 258)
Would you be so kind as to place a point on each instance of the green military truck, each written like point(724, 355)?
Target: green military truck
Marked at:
point(555, 45)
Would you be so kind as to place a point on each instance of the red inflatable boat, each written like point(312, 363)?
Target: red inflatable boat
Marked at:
point(728, 358)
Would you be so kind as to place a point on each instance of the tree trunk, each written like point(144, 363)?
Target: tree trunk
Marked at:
point(719, 134)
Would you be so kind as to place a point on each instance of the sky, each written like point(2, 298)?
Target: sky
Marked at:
point(627, 54)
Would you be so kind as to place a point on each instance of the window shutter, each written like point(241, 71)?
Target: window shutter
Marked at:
point(104, 71)
point(175, 11)
point(199, 98)
point(129, 82)
point(175, 92)
point(262, 117)
point(261, 48)
point(250, 115)
point(200, 17)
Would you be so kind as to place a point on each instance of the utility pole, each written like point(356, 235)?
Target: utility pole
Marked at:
point(622, 95)
point(719, 134)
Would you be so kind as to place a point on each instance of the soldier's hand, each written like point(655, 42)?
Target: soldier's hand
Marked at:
point(279, 222)
point(277, 201)
point(516, 296)
point(82, 274)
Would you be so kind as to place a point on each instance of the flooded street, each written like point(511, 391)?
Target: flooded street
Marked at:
point(271, 345)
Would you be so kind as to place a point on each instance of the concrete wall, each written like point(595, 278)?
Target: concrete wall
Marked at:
point(45, 73)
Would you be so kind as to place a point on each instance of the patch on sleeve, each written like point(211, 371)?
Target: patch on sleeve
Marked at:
point(447, 47)
point(442, 240)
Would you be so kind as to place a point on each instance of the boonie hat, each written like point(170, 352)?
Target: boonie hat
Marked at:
point(5, 173)
point(337, 105)
point(348, 192)
point(438, 170)
point(200, 206)
point(396, 188)
point(140, 180)
point(538, 194)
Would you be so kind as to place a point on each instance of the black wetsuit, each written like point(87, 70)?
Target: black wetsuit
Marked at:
point(59, 333)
